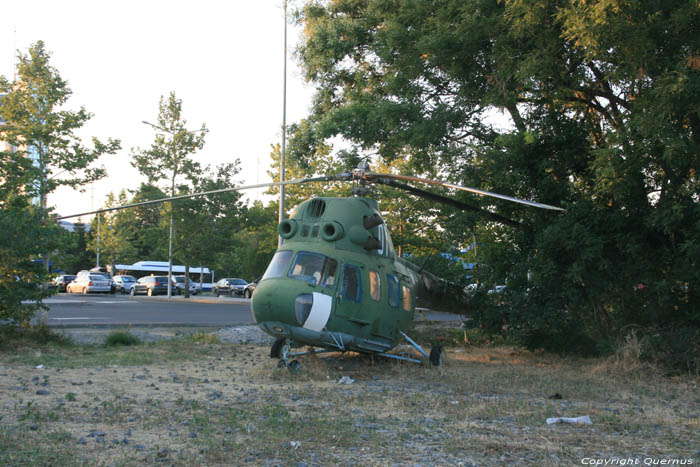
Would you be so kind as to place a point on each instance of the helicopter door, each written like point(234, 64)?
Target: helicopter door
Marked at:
point(349, 303)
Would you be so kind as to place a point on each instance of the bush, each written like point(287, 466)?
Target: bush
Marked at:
point(12, 336)
point(121, 338)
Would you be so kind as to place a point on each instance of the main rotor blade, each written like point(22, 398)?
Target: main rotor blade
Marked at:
point(464, 188)
point(206, 193)
point(449, 201)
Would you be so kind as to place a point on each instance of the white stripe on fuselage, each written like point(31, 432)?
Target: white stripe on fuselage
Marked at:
point(320, 312)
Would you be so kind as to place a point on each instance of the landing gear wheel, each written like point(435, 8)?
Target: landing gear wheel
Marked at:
point(437, 356)
point(276, 349)
point(294, 366)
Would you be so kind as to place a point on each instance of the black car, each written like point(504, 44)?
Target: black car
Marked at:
point(229, 286)
point(150, 285)
point(61, 282)
point(250, 288)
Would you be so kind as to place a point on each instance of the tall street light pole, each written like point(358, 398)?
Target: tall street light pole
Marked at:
point(172, 193)
point(284, 122)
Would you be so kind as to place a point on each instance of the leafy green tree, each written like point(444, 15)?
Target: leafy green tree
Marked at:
point(322, 163)
point(168, 157)
point(147, 225)
point(72, 254)
point(22, 277)
point(599, 104)
point(257, 241)
point(44, 154)
point(41, 130)
point(206, 226)
point(114, 234)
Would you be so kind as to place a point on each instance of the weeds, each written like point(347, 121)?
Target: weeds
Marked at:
point(193, 401)
point(118, 338)
point(40, 336)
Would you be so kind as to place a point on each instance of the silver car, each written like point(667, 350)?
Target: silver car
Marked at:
point(124, 283)
point(87, 283)
point(180, 284)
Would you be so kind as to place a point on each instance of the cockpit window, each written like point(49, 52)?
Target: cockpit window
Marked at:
point(278, 265)
point(387, 248)
point(314, 268)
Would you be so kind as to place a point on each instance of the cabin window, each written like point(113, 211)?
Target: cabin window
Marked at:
point(375, 286)
point(278, 265)
point(312, 267)
point(352, 284)
point(315, 230)
point(406, 301)
point(330, 271)
point(393, 289)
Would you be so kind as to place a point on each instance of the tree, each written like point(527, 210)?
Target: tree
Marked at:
point(206, 226)
point(114, 233)
point(22, 277)
point(44, 154)
point(257, 241)
point(72, 255)
point(41, 131)
point(145, 224)
point(599, 104)
point(168, 158)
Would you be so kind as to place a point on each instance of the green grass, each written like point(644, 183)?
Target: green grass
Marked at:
point(40, 336)
point(118, 338)
point(41, 347)
point(20, 445)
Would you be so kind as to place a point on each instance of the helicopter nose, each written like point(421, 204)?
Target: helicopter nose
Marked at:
point(291, 303)
point(273, 300)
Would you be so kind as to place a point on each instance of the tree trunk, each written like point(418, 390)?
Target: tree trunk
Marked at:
point(187, 280)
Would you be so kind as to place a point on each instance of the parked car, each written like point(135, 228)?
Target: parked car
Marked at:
point(124, 283)
point(88, 283)
point(229, 286)
point(250, 288)
point(98, 270)
point(61, 282)
point(112, 284)
point(180, 284)
point(150, 285)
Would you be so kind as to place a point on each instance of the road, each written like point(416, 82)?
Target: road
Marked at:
point(107, 310)
point(71, 310)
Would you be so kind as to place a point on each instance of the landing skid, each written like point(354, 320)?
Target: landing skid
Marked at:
point(282, 346)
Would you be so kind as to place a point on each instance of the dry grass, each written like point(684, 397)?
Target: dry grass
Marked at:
point(230, 405)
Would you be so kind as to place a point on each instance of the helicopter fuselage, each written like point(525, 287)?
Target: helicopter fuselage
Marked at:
point(335, 281)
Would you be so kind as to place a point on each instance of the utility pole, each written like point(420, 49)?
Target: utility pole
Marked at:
point(98, 239)
point(284, 123)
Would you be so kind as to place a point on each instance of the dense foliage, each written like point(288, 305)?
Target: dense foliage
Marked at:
point(42, 153)
point(592, 106)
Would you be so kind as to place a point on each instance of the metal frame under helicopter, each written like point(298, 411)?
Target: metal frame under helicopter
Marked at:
point(281, 350)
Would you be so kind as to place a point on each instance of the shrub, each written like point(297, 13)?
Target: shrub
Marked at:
point(121, 338)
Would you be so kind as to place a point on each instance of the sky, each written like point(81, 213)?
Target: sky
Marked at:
point(224, 60)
